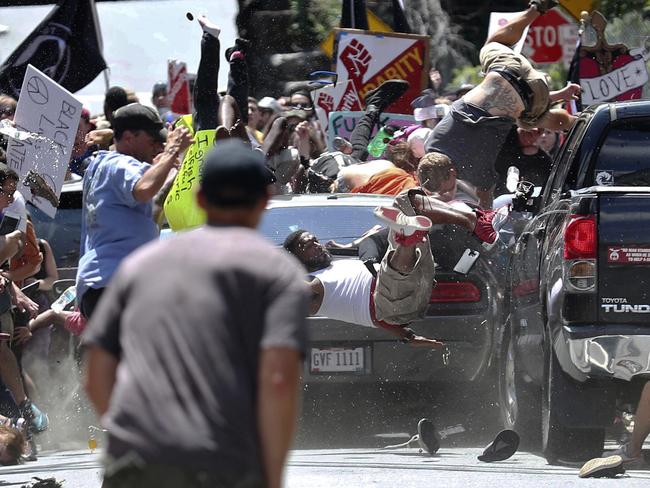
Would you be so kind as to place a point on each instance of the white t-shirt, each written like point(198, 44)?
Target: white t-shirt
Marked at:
point(346, 297)
point(17, 209)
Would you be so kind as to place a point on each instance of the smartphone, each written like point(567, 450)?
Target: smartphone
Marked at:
point(8, 224)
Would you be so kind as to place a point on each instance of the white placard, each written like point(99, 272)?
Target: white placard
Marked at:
point(47, 109)
point(499, 19)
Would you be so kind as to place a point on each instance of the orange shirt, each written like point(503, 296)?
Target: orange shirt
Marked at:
point(391, 181)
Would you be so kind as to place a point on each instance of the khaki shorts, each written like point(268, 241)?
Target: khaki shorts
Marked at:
point(494, 55)
point(401, 299)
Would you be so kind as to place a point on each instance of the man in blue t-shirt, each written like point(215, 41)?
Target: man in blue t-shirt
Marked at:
point(118, 189)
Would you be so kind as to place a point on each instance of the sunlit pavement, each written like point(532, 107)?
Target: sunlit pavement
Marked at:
point(356, 468)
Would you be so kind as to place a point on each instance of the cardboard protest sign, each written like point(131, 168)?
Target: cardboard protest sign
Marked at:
point(364, 60)
point(180, 206)
point(49, 110)
point(178, 87)
point(610, 72)
point(342, 124)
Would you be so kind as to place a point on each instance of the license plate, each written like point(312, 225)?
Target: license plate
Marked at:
point(337, 360)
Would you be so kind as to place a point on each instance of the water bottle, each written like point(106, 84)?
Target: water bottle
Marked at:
point(380, 141)
point(512, 179)
point(66, 297)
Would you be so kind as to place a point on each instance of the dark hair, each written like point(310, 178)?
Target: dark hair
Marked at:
point(159, 88)
point(6, 173)
point(115, 98)
point(252, 100)
point(291, 242)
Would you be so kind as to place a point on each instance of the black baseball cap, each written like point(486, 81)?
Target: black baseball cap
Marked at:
point(233, 174)
point(136, 116)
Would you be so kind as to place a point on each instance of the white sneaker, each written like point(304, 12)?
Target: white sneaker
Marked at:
point(605, 467)
point(400, 223)
point(628, 460)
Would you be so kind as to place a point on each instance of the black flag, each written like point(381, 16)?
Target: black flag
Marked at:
point(353, 15)
point(65, 46)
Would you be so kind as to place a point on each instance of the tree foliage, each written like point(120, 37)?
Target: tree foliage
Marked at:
point(617, 8)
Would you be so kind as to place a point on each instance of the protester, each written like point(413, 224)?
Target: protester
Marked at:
point(476, 128)
point(7, 107)
point(229, 424)
point(119, 187)
point(161, 101)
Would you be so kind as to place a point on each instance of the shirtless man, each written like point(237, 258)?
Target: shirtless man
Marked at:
point(347, 290)
point(477, 126)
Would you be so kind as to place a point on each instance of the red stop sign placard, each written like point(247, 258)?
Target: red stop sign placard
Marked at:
point(551, 37)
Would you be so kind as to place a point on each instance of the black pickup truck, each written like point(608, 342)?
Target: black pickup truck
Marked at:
point(576, 344)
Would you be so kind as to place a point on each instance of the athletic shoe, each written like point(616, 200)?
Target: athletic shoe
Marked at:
point(386, 93)
point(36, 420)
point(428, 437)
point(397, 221)
point(543, 6)
point(484, 229)
point(624, 453)
point(503, 446)
point(238, 51)
point(208, 26)
point(607, 467)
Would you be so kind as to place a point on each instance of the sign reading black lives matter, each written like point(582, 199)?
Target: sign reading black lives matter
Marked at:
point(49, 110)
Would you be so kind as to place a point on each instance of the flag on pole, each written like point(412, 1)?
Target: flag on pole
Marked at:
point(65, 46)
point(573, 76)
point(353, 15)
point(400, 24)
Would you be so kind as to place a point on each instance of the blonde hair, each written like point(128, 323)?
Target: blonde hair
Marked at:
point(434, 169)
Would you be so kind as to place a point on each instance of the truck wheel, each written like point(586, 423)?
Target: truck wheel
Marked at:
point(559, 442)
point(518, 401)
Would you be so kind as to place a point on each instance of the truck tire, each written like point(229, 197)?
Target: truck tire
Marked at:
point(559, 442)
point(518, 401)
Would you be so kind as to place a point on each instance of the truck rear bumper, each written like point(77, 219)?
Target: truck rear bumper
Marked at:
point(619, 355)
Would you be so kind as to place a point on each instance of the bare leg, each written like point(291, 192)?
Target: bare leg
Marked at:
point(403, 259)
point(509, 34)
point(641, 422)
point(441, 213)
point(10, 373)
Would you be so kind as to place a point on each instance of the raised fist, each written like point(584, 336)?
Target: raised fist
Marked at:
point(326, 102)
point(356, 58)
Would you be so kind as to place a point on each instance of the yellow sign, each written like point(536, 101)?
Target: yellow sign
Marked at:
point(375, 24)
point(574, 7)
point(181, 209)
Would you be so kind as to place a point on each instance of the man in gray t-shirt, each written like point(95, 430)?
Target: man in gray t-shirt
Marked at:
point(195, 348)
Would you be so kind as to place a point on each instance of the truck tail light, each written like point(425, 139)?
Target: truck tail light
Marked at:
point(581, 238)
point(580, 252)
point(456, 292)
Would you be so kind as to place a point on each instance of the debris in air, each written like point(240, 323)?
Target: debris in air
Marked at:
point(189, 16)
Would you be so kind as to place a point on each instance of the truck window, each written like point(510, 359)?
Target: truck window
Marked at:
point(623, 159)
point(558, 180)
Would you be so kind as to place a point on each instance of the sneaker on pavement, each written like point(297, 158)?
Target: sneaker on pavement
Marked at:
point(428, 438)
point(399, 222)
point(504, 445)
point(36, 420)
point(606, 467)
point(484, 229)
point(543, 6)
point(386, 93)
point(624, 453)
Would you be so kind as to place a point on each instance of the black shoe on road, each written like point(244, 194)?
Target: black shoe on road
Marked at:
point(428, 438)
point(386, 93)
point(503, 446)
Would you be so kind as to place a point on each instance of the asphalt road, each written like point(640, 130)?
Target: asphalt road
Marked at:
point(357, 468)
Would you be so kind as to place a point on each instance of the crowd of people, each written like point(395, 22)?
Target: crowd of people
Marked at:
point(158, 312)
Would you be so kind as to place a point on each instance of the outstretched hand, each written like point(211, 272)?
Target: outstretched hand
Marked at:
point(569, 92)
point(420, 341)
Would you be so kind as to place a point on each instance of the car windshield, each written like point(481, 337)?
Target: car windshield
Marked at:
point(340, 223)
